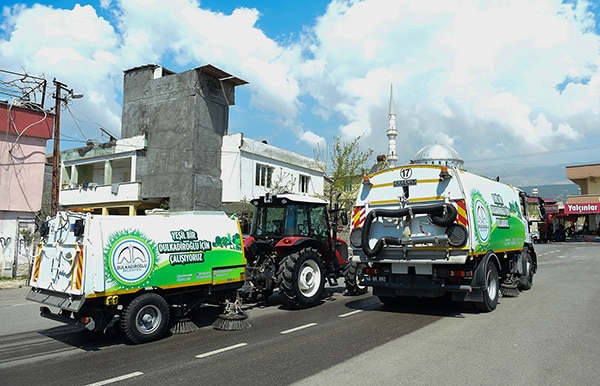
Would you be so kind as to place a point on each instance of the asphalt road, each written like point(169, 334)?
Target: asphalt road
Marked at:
point(546, 336)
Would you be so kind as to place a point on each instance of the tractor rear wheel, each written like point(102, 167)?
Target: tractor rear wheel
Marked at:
point(353, 274)
point(301, 278)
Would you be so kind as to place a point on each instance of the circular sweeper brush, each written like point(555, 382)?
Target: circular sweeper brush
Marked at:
point(233, 319)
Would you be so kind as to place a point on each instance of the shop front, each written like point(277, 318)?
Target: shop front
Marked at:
point(584, 217)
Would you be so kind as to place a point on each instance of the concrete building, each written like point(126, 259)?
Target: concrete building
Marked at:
point(586, 206)
point(170, 155)
point(25, 127)
point(175, 152)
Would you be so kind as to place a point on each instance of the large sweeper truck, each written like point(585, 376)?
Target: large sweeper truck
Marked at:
point(143, 274)
point(432, 229)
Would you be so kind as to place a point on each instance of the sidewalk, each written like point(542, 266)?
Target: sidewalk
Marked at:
point(12, 283)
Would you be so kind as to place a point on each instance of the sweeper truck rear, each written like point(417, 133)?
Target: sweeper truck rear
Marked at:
point(432, 229)
point(143, 274)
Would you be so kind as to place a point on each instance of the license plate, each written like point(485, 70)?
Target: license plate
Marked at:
point(410, 182)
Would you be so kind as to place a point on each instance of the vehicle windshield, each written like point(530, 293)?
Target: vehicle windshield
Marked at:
point(290, 220)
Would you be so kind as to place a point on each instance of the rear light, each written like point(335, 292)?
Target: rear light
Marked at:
point(459, 273)
point(372, 271)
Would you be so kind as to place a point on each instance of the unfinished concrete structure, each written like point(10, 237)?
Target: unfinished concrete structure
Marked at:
point(184, 117)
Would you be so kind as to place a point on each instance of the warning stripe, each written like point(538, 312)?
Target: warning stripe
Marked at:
point(461, 207)
point(358, 216)
point(36, 264)
point(77, 277)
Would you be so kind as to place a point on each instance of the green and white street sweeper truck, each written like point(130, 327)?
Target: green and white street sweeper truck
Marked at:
point(143, 273)
point(432, 229)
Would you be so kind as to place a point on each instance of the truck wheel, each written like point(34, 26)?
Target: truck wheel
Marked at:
point(301, 279)
point(353, 274)
point(146, 318)
point(492, 286)
point(526, 280)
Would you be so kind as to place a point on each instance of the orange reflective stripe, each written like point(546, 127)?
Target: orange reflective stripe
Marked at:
point(36, 264)
point(461, 207)
point(358, 216)
point(77, 269)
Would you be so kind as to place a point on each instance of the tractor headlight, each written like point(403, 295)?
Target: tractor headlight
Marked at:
point(356, 237)
point(457, 235)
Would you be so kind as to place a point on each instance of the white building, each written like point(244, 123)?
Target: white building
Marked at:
point(250, 169)
point(104, 179)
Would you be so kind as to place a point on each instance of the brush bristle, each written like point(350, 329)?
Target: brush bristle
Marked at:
point(509, 292)
point(231, 322)
point(184, 326)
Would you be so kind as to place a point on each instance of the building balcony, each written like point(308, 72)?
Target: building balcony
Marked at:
point(94, 194)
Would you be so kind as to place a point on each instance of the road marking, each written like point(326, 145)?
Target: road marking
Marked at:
point(207, 354)
point(116, 379)
point(350, 313)
point(298, 328)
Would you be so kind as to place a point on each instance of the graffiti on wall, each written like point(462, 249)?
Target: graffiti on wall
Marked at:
point(16, 248)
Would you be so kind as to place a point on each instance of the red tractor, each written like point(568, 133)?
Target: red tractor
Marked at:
point(293, 246)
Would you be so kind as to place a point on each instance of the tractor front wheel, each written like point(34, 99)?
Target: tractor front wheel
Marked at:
point(301, 278)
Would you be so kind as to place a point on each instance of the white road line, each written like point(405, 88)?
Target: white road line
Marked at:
point(207, 354)
point(298, 328)
point(117, 379)
point(350, 313)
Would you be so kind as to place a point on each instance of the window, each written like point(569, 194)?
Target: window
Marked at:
point(264, 175)
point(304, 183)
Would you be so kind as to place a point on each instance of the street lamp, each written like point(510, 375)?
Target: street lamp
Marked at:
point(58, 97)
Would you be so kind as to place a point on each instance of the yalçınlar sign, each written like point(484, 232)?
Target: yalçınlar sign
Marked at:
point(582, 208)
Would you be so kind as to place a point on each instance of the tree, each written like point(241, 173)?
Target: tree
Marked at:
point(344, 173)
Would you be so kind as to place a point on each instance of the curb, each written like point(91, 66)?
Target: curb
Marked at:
point(11, 284)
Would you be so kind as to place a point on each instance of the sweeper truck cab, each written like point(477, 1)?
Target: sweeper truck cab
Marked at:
point(140, 273)
point(432, 229)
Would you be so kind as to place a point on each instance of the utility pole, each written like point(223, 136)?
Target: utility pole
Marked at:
point(56, 152)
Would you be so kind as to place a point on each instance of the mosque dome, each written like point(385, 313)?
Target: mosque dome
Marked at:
point(438, 155)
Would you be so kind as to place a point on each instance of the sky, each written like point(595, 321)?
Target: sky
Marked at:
point(512, 85)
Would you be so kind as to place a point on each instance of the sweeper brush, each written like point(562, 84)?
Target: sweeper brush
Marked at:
point(509, 288)
point(183, 326)
point(233, 319)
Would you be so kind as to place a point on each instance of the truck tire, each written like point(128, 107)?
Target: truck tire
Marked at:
point(301, 278)
point(353, 273)
point(146, 318)
point(526, 279)
point(492, 286)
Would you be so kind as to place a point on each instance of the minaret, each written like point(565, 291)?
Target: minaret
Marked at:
point(392, 133)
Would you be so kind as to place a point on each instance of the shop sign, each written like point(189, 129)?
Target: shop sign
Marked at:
point(582, 208)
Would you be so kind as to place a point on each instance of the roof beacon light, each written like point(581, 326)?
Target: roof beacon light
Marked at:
point(444, 175)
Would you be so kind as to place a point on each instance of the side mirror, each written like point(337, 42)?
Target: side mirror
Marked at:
point(344, 218)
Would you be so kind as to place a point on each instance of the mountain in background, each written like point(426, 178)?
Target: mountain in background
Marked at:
point(556, 192)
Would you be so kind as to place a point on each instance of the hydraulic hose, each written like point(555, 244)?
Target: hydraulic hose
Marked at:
point(441, 214)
